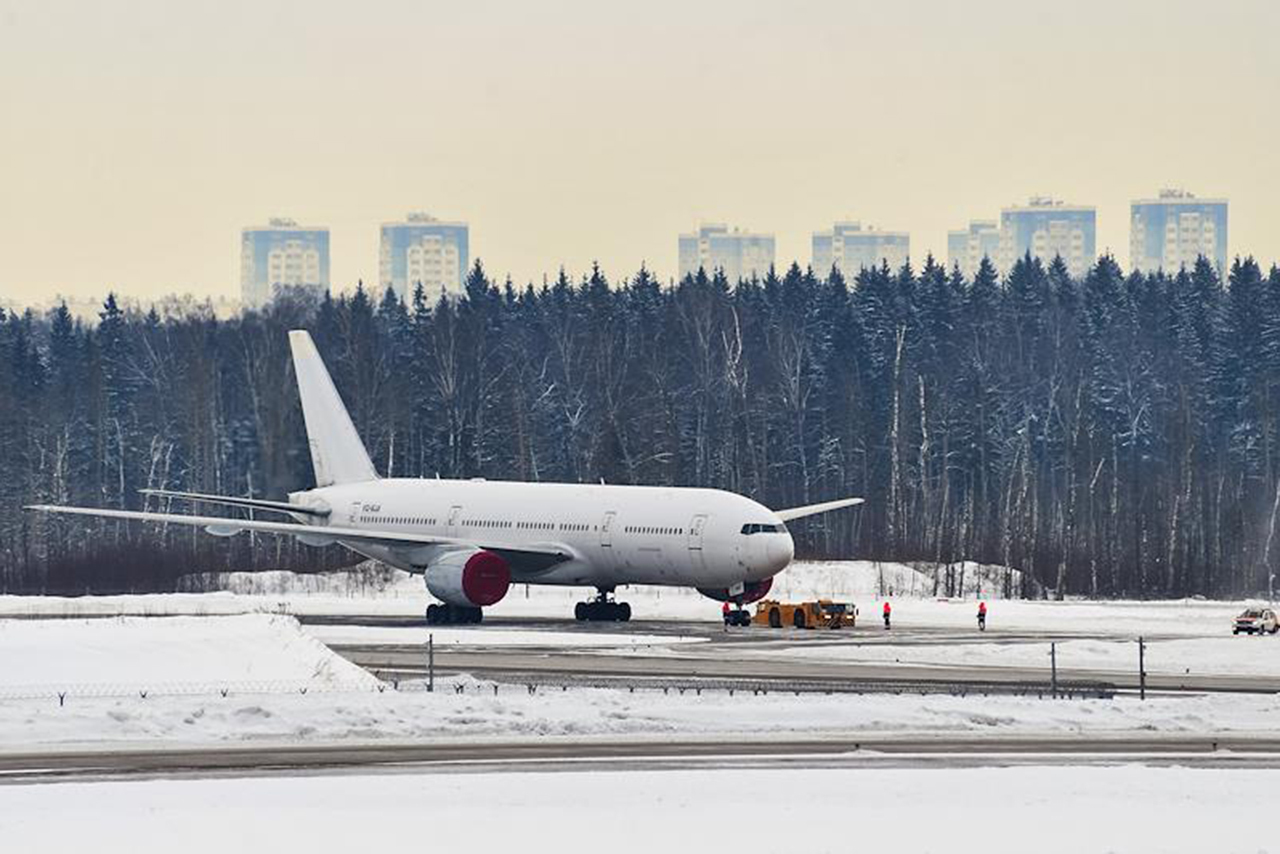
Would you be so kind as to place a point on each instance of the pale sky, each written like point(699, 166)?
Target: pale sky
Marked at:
point(138, 137)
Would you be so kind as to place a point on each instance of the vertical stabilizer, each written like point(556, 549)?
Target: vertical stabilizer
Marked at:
point(337, 454)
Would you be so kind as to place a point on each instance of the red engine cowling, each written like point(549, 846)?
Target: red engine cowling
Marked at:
point(470, 578)
point(751, 592)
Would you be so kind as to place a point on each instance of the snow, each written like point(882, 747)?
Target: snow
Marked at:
point(860, 580)
point(1242, 656)
point(142, 652)
point(131, 679)
point(1183, 636)
point(1168, 618)
point(512, 712)
point(381, 592)
point(1126, 808)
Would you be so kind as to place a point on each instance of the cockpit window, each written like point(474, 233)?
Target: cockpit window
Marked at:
point(762, 528)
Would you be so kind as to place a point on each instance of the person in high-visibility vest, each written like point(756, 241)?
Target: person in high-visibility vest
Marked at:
point(887, 611)
point(982, 616)
point(724, 612)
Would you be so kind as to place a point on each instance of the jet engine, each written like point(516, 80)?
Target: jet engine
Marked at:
point(750, 592)
point(468, 578)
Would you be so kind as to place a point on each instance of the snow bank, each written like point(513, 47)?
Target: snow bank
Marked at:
point(512, 712)
point(174, 651)
point(867, 579)
point(368, 578)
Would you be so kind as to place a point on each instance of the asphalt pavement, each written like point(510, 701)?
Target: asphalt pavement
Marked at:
point(743, 655)
point(564, 754)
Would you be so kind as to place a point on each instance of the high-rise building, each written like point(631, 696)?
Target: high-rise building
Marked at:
point(740, 254)
point(423, 250)
point(280, 254)
point(1172, 231)
point(849, 247)
point(1046, 228)
point(967, 247)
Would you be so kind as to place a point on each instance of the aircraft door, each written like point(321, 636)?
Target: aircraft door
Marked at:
point(455, 518)
point(697, 525)
point(355, 513)
point(607, 554)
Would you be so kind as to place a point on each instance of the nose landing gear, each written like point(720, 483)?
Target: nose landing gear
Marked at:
point(602, 609)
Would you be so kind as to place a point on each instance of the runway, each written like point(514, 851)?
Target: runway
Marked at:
point(853, 751)
point(747, 657)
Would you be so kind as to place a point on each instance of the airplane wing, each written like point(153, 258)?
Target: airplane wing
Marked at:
point(232, 501)
point(521, 559)
point(814, 509)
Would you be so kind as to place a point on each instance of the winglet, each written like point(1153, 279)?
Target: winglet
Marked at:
point(813, 509)
point(337, 454)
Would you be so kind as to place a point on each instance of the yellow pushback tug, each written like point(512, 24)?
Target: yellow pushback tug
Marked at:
point(818, 614)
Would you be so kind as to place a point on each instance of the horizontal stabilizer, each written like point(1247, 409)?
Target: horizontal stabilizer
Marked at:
point(233, 501)
point(814, 509)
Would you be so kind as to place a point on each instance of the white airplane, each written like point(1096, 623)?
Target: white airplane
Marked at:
point(472, 539)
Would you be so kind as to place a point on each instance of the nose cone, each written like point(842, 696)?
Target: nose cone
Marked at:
point(781, 550)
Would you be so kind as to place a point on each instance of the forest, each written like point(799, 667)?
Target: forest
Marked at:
point(1110, 436)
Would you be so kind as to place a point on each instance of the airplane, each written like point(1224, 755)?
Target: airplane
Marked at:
point(472, 539)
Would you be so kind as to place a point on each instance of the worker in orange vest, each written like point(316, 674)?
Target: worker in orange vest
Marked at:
point(887, 611)
point(982, 616)
point(724, 612)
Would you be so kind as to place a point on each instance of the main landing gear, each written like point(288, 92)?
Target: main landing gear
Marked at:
point(737, 617)
point(453, 615)
point(602, 609)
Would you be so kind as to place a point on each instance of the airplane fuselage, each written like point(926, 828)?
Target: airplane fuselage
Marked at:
point(611, 535)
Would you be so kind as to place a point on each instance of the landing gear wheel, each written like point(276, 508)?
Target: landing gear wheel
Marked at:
point(775, 618)
point(798, 619)
point(453, 615)
point(602, 610)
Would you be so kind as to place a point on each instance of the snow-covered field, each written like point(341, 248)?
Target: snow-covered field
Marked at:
point(263, 660)
point(130, 680)
point(1047, 810)
point(589, 712)
point(1236, 656)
